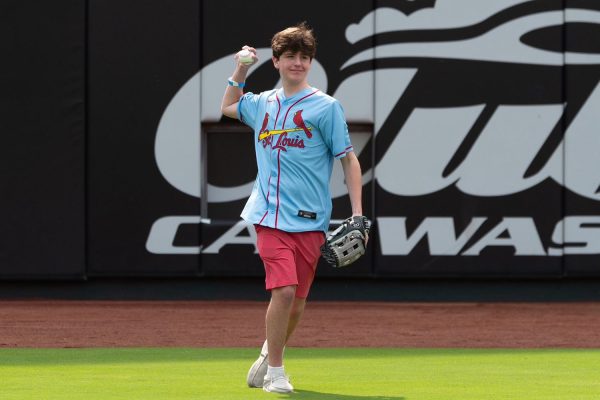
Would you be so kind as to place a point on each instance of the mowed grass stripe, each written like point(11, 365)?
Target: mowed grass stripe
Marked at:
point(326, 374)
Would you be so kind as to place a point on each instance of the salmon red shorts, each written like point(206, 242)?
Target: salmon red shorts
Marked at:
point(290, 258)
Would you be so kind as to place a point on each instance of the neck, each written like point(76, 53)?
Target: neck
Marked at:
point(290, 89)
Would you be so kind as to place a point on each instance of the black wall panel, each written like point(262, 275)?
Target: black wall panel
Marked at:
point(581, 143)
point(43, 134)
point(140, 53)
point(476, 128)
point(464, 182)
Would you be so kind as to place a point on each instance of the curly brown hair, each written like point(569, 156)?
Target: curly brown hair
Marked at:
point(299, 38)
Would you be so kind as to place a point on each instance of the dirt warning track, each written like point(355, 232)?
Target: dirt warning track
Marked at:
point(40, 323)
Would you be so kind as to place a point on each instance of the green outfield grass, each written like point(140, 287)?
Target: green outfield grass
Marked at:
point(325, 374)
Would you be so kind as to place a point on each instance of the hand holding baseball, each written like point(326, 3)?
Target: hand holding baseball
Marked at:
point(246, 56)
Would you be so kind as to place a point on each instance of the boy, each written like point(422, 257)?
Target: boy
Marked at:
point(298, 131)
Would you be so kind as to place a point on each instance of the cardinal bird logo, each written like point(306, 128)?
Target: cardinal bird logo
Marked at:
point(265, 123)
point(300, 123)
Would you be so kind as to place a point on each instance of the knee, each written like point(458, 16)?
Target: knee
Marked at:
point(285, 294)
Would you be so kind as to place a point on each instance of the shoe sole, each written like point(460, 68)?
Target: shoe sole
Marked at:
point(275, 390)
point(270, 387)
point(251, 379)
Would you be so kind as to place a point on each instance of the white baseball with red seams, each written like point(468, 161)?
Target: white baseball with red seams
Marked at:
point(245, 56)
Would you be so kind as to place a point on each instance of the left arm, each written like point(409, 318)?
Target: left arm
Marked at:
point(353, 176)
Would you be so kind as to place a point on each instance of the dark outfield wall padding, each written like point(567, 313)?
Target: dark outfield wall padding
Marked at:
point(43, 142)
point(581, 143)
point(467, 182)
point(466, 106)
point(140, 54)
point(476, 128)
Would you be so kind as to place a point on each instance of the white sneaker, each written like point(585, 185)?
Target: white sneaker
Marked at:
point(258, 370)
point(278, 384)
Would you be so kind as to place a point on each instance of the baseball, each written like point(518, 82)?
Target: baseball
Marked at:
point(245, 57)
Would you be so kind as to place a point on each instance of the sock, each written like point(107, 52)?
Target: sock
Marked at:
point(275, 371)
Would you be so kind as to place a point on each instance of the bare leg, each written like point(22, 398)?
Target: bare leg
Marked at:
point(277, 321)
point(295, 316)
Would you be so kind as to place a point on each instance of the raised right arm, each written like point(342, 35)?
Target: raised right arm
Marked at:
point(233, 94)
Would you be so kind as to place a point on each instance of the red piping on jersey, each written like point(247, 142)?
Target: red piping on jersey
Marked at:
point(286, 114)
point(278, 176)
point(269, 184)
point(347, 149)
point(268, 193)
point(278, 109)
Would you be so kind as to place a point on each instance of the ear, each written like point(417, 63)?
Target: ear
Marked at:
point(275, 61)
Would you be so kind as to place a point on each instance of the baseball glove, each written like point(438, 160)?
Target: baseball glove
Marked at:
point(347, 243)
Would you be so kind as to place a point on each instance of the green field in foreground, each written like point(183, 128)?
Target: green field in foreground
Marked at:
point(325, 374)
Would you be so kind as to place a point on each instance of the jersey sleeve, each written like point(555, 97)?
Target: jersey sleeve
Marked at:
point(335, 130)
point(247, 109)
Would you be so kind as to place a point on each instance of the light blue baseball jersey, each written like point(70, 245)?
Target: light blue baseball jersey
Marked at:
point(296, 140)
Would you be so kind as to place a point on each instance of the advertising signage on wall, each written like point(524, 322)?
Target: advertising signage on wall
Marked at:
point(476, 124)
point(482, 134)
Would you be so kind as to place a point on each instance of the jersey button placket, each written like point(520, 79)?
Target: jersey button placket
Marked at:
point(273, 189)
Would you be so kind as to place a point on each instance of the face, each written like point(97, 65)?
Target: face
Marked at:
point(293, 67)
